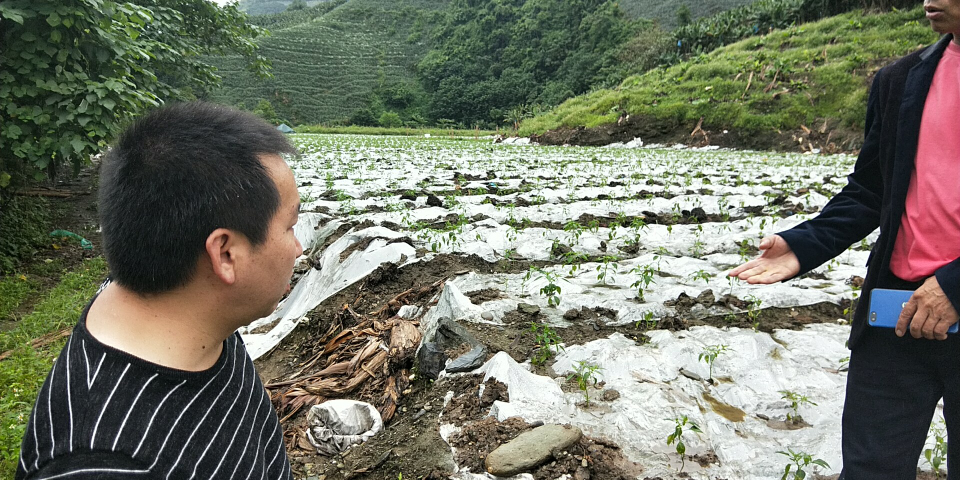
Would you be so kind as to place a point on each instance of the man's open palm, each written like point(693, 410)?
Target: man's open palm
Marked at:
point(778, 262)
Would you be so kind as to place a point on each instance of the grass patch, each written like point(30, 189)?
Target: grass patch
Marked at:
point(23, 221)
point(14, 289)
point(356, 130)
point(23, 372)
point(802, 75)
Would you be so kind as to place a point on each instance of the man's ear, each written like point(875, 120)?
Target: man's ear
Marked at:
point(222, 248)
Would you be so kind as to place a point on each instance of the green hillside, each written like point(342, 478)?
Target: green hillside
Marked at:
point(325, 68)
point(264, 7)
point(807, 76)
point(665, 11)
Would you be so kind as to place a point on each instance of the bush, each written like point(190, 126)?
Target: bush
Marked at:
point(24, 222)
point(390, 120)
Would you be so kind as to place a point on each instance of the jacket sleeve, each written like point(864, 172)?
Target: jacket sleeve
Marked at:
point(948, 276)
point(854, 212)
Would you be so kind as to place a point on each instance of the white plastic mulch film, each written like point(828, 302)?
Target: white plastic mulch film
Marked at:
point(510, 201)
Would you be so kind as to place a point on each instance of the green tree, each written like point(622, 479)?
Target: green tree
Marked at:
point(683, 15)
point(390, 120)
point(264, 110)
point(297, 5)
point(72, 72)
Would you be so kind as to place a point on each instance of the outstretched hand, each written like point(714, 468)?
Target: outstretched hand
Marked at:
point(778, 262)
point(929, 313)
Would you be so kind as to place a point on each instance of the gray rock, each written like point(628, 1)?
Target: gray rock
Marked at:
point(571, 314)
point(430, 360)
point(690, 375)
point(530, 449)
point(488, 316)
point(450, 335)
point(471, 360)
point(528, 308)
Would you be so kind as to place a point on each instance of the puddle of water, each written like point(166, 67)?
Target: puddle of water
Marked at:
point(729, 412)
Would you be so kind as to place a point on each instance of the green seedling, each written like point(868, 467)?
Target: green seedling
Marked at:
point(753, 312)
point(701, 275)
point(548, 343)
point(585, 375)
point(646, 273)
point(802, 461)
point(938, 454)
point(677, 436)
point(603, 270)
point(575, 230)
point(647, 323)
point(796, 401)
point(551, 290)
point(709, 356)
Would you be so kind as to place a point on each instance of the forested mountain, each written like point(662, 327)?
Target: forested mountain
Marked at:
point(481, 62)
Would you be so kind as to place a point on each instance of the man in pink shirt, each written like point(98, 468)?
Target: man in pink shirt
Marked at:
point(906, 183)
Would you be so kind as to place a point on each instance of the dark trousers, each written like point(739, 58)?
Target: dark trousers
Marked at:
point(893, 387)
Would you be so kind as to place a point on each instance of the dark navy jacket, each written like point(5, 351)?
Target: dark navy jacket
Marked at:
point(876, 192)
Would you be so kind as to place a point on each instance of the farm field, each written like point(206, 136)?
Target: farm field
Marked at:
point(573, 285)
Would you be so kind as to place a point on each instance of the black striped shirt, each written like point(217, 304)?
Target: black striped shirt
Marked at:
point(103, 413)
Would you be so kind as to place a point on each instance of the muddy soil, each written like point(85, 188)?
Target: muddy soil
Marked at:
point(828, 137)
point(410, 443)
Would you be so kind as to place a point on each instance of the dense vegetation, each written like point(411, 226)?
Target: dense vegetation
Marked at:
point(71, 73)
point(803, 75)
point(336, 61)
point(490, 57)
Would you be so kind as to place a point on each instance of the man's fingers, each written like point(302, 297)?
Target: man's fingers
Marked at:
point(905, 316)
point(917, 324)
point(940, 329)
point(767, 242)
point(742, 268)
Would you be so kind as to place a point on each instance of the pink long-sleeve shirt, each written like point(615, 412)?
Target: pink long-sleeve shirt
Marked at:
point(929, 235)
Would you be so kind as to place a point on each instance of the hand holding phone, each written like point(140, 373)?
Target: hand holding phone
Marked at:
point(885, 307)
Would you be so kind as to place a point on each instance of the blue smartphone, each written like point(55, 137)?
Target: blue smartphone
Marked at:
point(885, 307)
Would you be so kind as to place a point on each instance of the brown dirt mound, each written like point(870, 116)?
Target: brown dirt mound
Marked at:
point(825, 135)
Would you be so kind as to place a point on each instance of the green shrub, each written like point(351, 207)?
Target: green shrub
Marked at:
point(390, 120)
point(23, 221)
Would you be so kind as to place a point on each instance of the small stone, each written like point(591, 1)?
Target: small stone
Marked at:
point(530, 449)
point(434, 201)
point(404, 409)
point(610, 395)
point(690, 375)
point(488, 316)
point(340, 466)
point(582, 473)
point(407, 391)
point(428, 407)
point(528, 309)
point(571, 314)
point(583, 463)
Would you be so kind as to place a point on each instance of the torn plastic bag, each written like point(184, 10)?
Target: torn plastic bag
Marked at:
point(335, 425)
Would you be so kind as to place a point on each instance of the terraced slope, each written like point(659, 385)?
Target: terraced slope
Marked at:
point(325, 69)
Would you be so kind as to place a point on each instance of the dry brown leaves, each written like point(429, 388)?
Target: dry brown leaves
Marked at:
point(369, 359)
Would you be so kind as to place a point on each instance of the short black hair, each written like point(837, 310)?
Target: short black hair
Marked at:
point(173, 177)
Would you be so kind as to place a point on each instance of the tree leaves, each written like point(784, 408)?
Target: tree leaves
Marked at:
point(72, 73)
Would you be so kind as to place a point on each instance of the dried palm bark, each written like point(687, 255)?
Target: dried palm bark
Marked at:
point(370, 359)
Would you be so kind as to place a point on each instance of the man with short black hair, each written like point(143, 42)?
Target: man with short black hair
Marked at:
point(197, 210)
